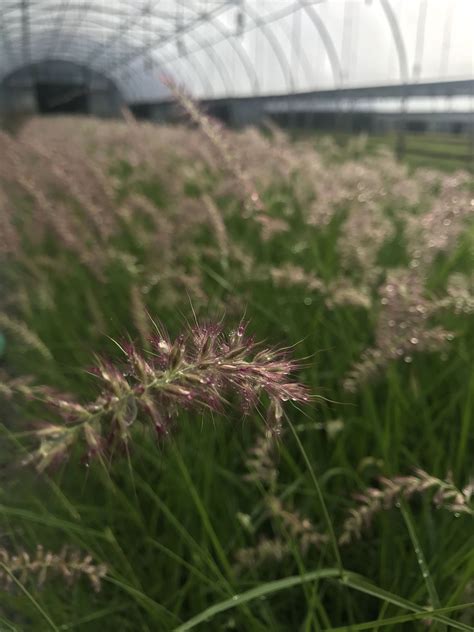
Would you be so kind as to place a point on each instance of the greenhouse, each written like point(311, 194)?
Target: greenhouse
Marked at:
point(121, 49)
point(236, 315)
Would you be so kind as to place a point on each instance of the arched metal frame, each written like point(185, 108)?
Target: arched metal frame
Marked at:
point(326, 40)
point(397, 39)
point(112, 37)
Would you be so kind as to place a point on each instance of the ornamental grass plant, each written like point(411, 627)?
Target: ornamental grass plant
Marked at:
point(237, 388)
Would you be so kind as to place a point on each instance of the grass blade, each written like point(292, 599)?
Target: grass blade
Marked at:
point(362, 585)
point(322, 502)
point(352, 580)
point(425, 571)
point(255, 593)
point(403, 618)
point(30, 598)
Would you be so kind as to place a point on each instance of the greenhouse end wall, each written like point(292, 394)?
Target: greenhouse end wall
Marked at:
point(93, 93)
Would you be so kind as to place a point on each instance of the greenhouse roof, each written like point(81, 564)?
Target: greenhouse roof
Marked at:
point(243, 47)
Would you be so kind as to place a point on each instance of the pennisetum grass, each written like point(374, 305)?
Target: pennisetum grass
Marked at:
point(343, 252)
point(197, 370)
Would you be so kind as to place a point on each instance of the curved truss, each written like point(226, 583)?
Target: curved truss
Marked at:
point(215, 47)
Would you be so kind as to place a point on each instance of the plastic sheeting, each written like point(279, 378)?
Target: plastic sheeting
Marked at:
point(243, 47)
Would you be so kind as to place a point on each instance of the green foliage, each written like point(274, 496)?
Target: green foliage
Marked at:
point(169, 517)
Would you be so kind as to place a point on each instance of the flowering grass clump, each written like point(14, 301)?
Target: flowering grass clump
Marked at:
point(198, 371)
point(363, 262)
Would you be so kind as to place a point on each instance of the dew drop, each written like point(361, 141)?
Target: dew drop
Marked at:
point(308, 300)
point(414, 341)
point(408, 359)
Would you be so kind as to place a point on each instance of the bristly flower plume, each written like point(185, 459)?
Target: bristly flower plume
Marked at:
point(393, 490)
point(70, 565)
point(214, 133)
point(199, 370)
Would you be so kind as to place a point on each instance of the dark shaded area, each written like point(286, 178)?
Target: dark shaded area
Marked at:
point(220, 111)
point(458, 128)
point(55, 98)
point(416, 126)
point(326, 120)
point(142, 111)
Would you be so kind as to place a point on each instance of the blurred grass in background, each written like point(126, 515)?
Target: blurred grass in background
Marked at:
point(110, 224)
